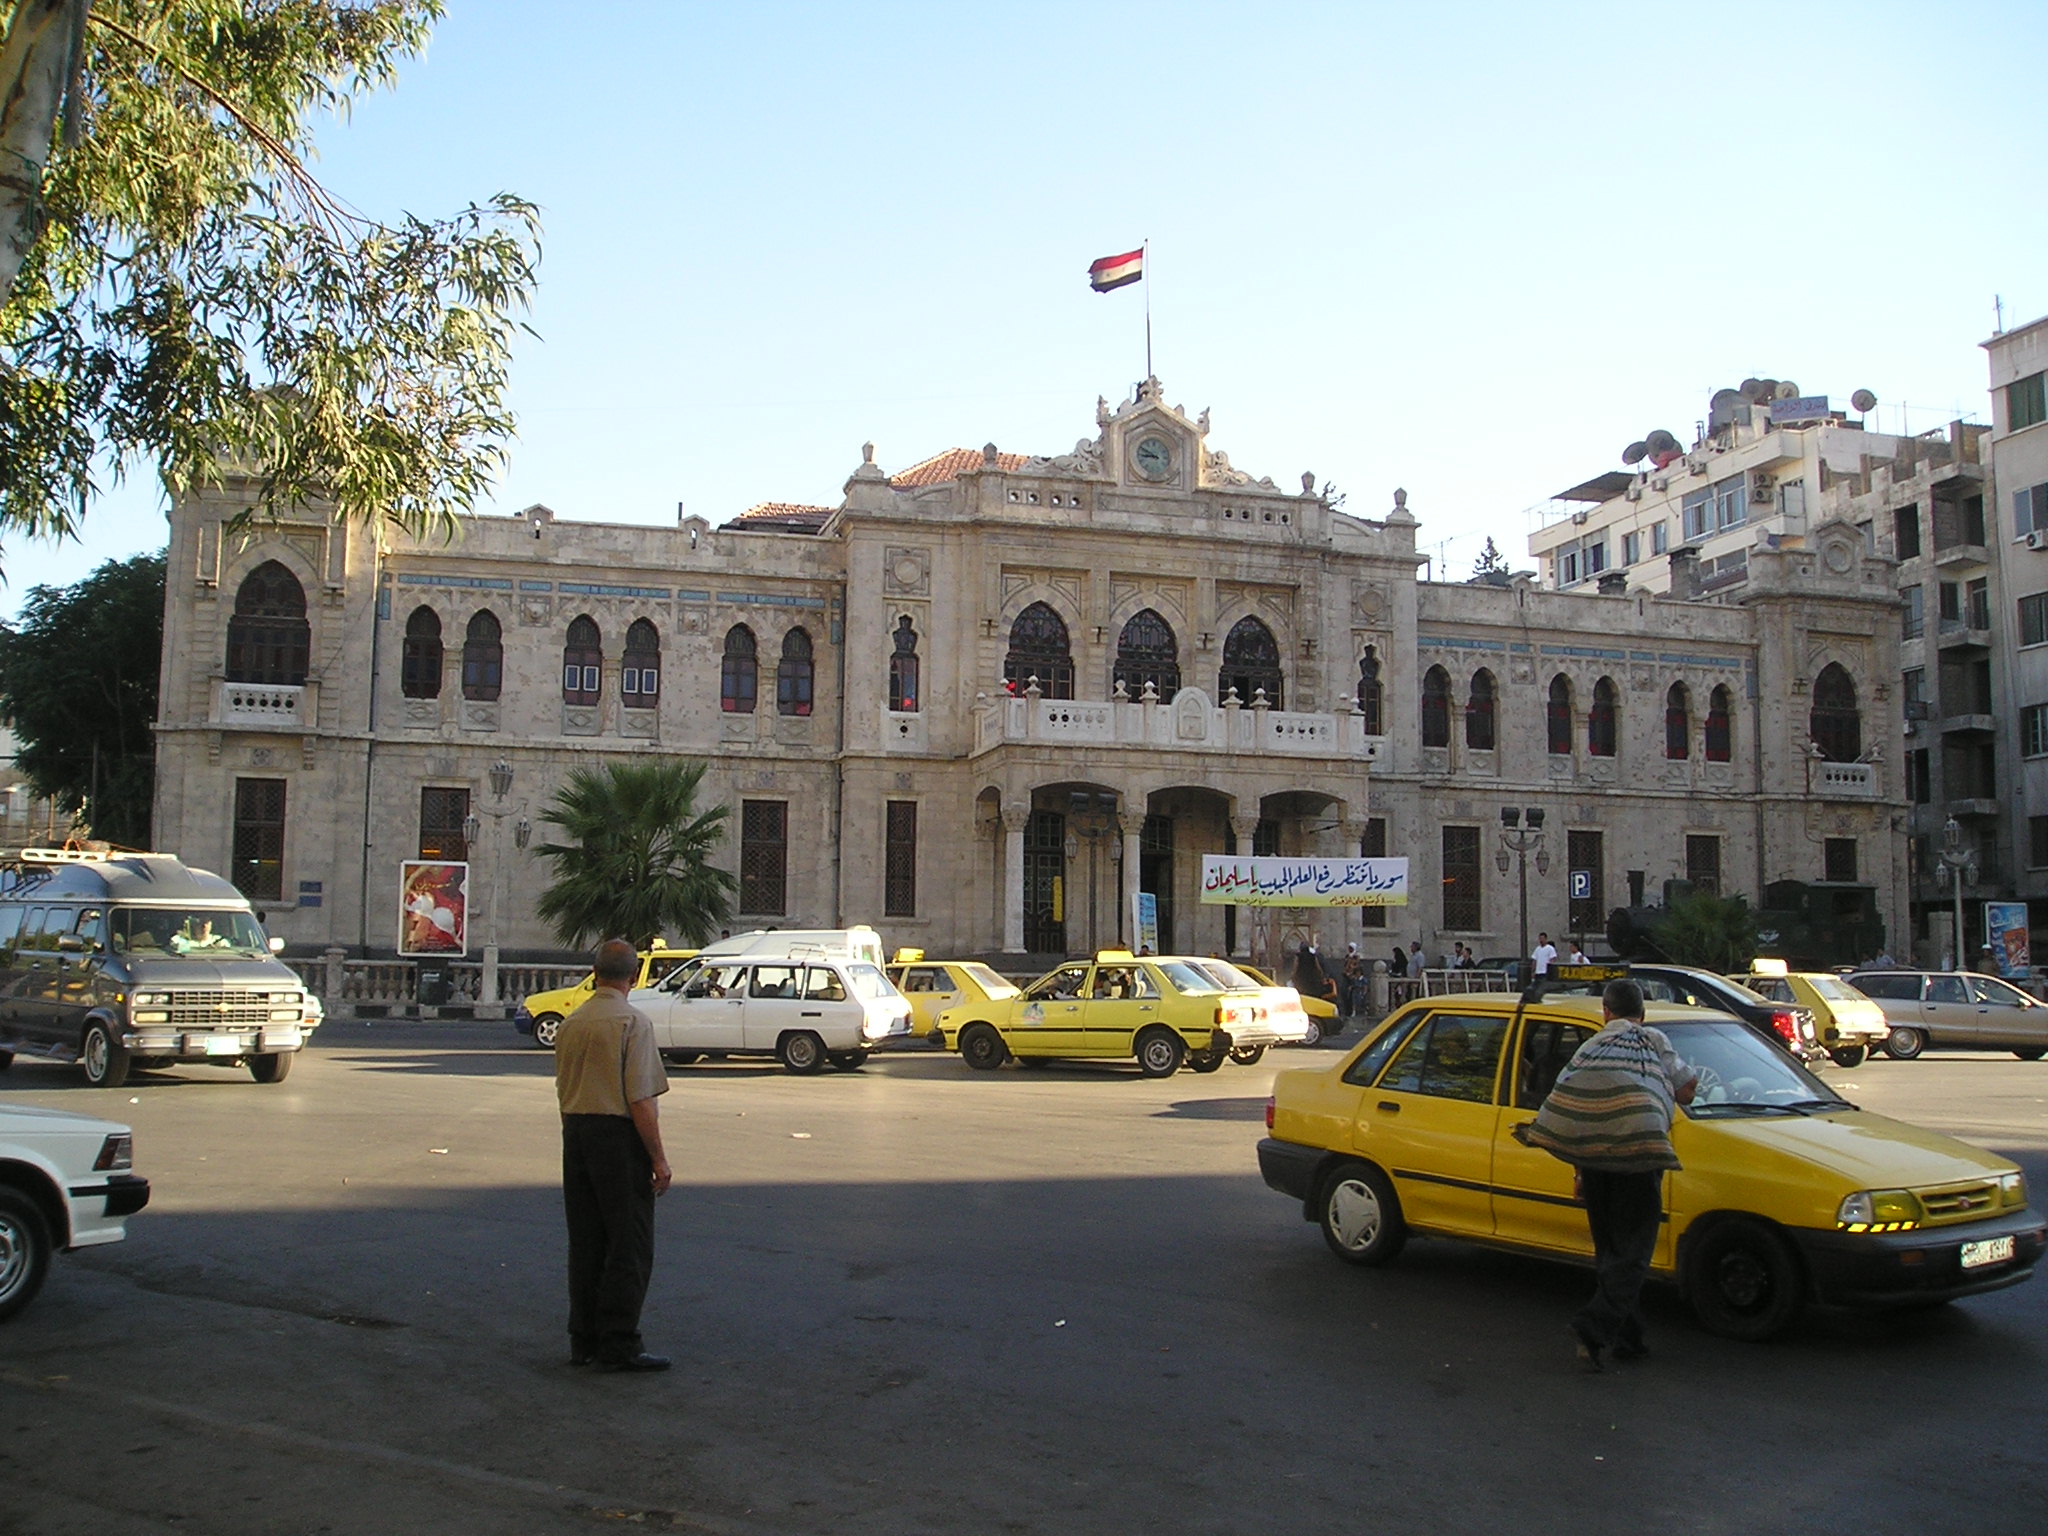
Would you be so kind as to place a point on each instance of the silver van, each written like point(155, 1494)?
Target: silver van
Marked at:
point(121, 960)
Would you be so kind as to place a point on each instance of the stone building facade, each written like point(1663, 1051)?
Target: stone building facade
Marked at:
point(983, 702)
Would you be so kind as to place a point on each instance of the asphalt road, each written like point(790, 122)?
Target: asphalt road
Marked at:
point(916, 1299)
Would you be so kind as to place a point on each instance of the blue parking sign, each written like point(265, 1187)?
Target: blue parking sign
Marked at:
point(1582, 885)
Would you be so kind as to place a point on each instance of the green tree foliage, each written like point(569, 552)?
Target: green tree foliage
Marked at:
point(78, 676)
point(1491, 561)
point(177, 289)
point(1716, 933)
point(637, 863)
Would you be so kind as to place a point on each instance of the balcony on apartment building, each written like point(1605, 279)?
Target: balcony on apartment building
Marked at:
point(1190, 723)
point(265, 706)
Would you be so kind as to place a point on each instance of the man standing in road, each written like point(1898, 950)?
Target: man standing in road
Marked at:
point(1543, 956)
point(1609, 1116)
point(607, 1077)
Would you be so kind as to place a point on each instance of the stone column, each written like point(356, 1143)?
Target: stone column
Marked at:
point(1131, 824)
point(1241, 830)
point(1014, 818)
point(487, 1005)
point(330, 994)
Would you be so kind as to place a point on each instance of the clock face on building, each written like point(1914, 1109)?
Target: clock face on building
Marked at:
point(1153, 458)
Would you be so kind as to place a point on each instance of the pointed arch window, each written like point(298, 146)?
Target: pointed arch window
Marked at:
point(903, 667)
point(640, 674)
point(1251, 661)
point(1557, 717)
point(1038, 648)
point(1371, 693)
point(1147, 652)
point(583, 662)
point(793, 675)
point(269, 640)
point(1479, 713)
point(1836, 723)
point(1678, 723)
point(1436, 708)
point(483, 657)
point(1603, 727)
point(739, 678)
point(1720, 732)
point(419, 663)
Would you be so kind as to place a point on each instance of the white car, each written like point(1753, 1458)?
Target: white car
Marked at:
point(1277, 1019)
point(64, 1183)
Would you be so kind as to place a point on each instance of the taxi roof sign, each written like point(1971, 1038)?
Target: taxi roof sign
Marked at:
point(1588, 972)
point(1763, 967)
point(1110, 956)
point(906, 957)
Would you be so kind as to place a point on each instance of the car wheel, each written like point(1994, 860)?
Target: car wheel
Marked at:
point(1247, 1055)
point(801, 1052)
point(1315, 1031)
point(682, 1058)
point(271, 1066)
point(101, 1057)
point(545, 1028)
point(6, 1060)
point(982, 1048)
point(1849, 1057)
point(24, 1250)
point(849, 1061)
point(2031, 1053)
point(1208, 1061)
point(1903, 1044)
point(1159, 1051)
point(1360, 1215)
point(1743, 1281)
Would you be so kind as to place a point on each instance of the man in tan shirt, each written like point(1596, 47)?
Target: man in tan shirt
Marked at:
point(608, 1075)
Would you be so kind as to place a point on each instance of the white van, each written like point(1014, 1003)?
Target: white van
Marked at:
point(805, 998)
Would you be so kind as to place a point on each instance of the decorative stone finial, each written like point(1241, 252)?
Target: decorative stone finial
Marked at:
point(1308, 482)
point(1401, 514)
point(988, 455)
point(867, 453)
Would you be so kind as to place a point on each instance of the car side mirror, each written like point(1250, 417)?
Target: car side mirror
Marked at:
point(71, 944)
point(276, 945)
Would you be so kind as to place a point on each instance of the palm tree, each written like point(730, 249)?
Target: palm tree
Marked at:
point(638, 861)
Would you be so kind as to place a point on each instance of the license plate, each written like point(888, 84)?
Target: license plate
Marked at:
point(223, 1045)
point(1993, 1250)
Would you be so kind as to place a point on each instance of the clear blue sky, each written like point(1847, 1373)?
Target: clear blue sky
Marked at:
point(1469, 249)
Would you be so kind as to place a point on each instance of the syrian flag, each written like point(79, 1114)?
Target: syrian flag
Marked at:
point(1115, 271)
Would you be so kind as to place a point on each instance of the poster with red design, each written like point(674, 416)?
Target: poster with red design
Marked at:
point(433, 908)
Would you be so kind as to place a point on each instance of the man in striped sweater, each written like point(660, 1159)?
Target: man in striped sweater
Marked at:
point(1609, 1116)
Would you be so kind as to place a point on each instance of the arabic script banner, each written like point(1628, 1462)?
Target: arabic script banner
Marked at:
point(1232, 881)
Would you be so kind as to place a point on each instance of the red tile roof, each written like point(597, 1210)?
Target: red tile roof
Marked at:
point(783, 516)
point(951, 464)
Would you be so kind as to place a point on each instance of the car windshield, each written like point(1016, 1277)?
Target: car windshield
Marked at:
point(1229, 976)
point(988, 980)
point(176, 932)
point(1834, 991)
point(1186, 977)
point(1743, 1073)
point(869, 983)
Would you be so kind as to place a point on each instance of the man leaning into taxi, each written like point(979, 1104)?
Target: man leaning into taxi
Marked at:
point(608, 1076)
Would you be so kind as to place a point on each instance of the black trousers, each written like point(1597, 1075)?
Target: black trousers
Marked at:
point(608, 1197)
point(1625, 1211)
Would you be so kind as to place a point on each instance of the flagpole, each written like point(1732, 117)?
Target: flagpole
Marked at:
point(1146, 258)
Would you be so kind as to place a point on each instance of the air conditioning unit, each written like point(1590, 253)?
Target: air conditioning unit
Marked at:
point(1579, 518)
point(1659, 483)
point(1633, 493)
point(1762, 488)
point(2038, 539)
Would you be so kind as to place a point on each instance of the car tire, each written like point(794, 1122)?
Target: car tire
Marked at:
point(102, 1058)
point(2031, 1053)
point(1903, 1043)
point(801, 1053)
point(849, 1061)
point(982, 1048)
point(6, 1060)
point(682, 1058)
point(1849, 1057)
point(1360, 1215)
point(1743, 1281)
point(1248, 1055)
point(1208, 1061)
point(1315, 1031)
point(25, 1249)
point(545, 1028)
point(271, 1066)
point(1160, 1051)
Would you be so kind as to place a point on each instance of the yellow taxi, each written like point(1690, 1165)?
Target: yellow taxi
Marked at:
point(1789, 1193)
point(1322, 1013)
point(542, 1012)
point(932, 986)
point(1162, 1010)
point(1849, 1024)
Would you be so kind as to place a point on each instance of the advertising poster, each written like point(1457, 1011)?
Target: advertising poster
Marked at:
point(2005, 930)
point(433, 908)
point(1253, 882)
point(1145, 922)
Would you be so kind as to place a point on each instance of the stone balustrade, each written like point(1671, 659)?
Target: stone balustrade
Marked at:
point(1190, 724)
point(1845, 781)
point(265, 706)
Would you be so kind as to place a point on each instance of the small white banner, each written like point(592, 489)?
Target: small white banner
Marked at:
point(1232, 881)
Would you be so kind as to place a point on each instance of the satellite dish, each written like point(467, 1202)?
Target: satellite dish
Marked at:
point(1723, 407)
point(1661, 441)
point(1753, 391)
point(1863, 400)
point(1786, 391)
point(1635, 453)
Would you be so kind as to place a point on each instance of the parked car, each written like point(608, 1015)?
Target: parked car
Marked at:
point(66, 1181)
point(1788, 1193)
point(933, 986)
point(1790, 1025)
point(1282, 1010)
point(1957, 1010)
point(1849, 1024)
point(1322, 1013)
point(541, 1014)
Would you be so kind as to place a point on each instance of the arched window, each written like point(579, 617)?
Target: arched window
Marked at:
point(1720, 735)
point(583, 662)
point(738, 677)
point(903, 668)
point(793, 675)
point(1837, 725)
point(419, 664)
point(483, 657)
point(1479, 713)
point(1038, 648)
point(1371, 696)
point(1251, 661)
point(1602, 728)
point(1436, 708)
point(1557, 717)
point(640, 674)
point(1678, 723)
point(1147, 652)
point(269, 640)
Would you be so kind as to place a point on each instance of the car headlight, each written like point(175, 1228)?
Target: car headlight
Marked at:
point(1878, 1210)
point(2012, 1188)
point(150, 999)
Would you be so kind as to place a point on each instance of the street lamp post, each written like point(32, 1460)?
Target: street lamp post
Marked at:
point(1956, 865)
point(488, 1005)
point(1521, 832)
point(1091, 814)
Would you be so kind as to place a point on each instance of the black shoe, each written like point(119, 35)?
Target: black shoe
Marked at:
point(642, 1362)
point(1588, 1351)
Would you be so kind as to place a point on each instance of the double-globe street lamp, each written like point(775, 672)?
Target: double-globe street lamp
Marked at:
point(1956, 866)
point(1521, 832)
point(522, 833)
